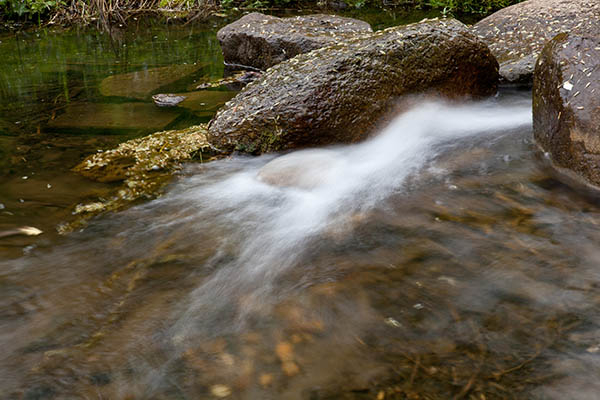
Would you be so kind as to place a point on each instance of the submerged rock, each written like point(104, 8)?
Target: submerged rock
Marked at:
point(306, 169)
point(338, 93)
point(237, 81)
point(260, 41)
point(566, 104)
point(106, 116)
point(205, 101)
point(517, 34)
point(141, 84)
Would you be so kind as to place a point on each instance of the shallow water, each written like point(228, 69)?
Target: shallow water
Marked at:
point(65, 94)
point(437, 260)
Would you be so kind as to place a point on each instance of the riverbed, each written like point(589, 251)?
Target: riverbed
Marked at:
point(440, 259)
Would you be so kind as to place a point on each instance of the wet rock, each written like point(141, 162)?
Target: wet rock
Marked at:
point(260, 41)
point(141, 84)
point(167, 100)
point(145, 166)
point(134, 158)
point(517, 34)
point(113, 117)
point(338, 93)
point(566, 104)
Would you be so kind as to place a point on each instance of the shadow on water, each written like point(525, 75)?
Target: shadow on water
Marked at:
point(436, 260)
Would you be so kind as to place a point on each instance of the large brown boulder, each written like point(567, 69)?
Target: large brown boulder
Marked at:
point(517, 34)
point(260, 41)
point(338, 93)
point(566, 104)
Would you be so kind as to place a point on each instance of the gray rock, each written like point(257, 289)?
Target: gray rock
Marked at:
point(566, 104)
point(517, 34)
point(167, 100)
point(261, 41)
point(339, 93)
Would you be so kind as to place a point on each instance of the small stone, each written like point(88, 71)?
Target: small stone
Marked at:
point(290, 368)
point(265, 379)
point(593, 349)
point(284, 351)
point(220, 391)
point(30, 231)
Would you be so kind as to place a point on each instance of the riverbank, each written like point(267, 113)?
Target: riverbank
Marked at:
point(16, 14)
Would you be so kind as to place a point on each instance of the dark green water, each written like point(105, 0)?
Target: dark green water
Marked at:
point(54, 109)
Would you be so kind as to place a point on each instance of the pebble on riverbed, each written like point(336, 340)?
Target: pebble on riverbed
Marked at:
point(220, 391)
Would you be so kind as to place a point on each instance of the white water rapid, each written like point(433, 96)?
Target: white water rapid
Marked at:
point(274, 211)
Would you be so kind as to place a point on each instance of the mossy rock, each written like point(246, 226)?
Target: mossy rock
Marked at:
point(144, 166)
point(338, 94)
point(137, 158)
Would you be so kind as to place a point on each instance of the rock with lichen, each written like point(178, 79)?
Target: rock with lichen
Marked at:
point(566, 104)
point(260, 41)
point(143, 165)
point(338, 93)
point(517, 34)
point(137, 158)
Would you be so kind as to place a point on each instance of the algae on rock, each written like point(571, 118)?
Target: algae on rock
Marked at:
point(144, 165)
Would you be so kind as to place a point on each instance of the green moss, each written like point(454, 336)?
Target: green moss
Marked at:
point(144, 166)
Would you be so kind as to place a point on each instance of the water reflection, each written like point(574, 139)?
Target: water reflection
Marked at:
point(65, 94)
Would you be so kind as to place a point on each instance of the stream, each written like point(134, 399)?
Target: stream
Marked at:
point(440, 259)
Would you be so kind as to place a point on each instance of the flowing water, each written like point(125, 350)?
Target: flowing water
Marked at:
point(440, 259)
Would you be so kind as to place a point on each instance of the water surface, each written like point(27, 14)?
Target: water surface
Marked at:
point(437, 260)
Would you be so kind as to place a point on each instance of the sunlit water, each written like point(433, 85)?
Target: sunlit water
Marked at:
point(436, 260)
